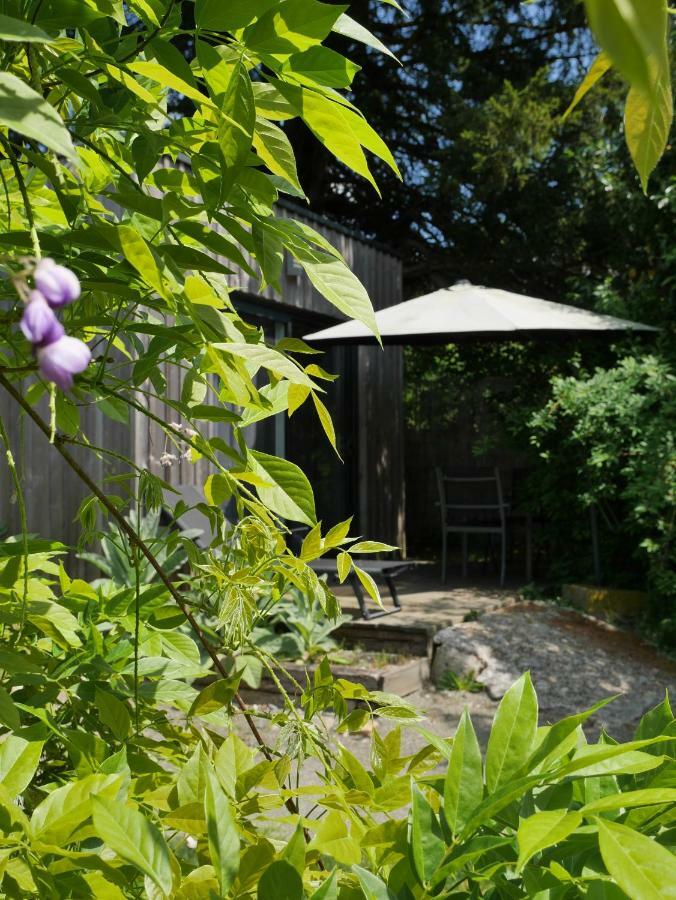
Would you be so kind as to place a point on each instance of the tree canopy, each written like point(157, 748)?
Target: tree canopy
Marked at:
point(497, 187)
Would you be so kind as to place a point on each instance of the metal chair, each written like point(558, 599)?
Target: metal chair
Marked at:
point(472, 502)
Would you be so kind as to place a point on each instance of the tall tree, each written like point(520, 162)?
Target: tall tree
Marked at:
point(496, 188)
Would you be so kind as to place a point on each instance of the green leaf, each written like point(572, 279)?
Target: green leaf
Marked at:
point(260, 355)
point(341, 287)
point(292, 25)
point(372, 547)
point(134, 839)
point(463, 785)
point(139, 254)
point(18, 30)
point(321, 65)
point(427, 842)
point(647, 123)
point(17, 663)
point(222, 833)
point(655, 721)
point(328, 890)
point(332, 839)
point(63, 811)
point(218, 16)
point(372, 886)
point(271, 103)
point(9, 714)
point(347, 26)
point(610, 759)
point(312, 543)
point(67, 415)
point(275, 150)
point(294, 852)
point(280, 881)
point(175, 645)
point(19, 760)
point(633, 33)
point(55, 621)
point(237, 118)
point(602, 64)
point(289, 494)
point(513, 733)
point(543, 830)
point(144, 9)
point(368, 582)
point(556, 740)
point(161, 75)
point(114, 713)
point(338, 533)
point(326, 422)
point(269, 252)
point(214, 696)
point(343, 565)
point(26, 112)
point(630, 799)
point(360, 777)
point(329, 122)
point(639, 865)
point(369, 138)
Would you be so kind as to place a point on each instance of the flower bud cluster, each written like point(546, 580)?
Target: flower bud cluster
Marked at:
point(168, 459)
point(59, 356)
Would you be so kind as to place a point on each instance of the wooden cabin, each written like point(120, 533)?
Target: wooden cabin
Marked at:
point(366, 404)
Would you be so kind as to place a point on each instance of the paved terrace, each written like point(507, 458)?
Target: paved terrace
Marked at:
point(426, 602)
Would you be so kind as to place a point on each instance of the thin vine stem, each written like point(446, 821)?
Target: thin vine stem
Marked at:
point(7, 200)
point(24, 195)
point(137, 612)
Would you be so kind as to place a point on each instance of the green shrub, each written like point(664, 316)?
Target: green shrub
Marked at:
point(117, 561)
point(115, 785)
point(122, 774)
point(612, 438)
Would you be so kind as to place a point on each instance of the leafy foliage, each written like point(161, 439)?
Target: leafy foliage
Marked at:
point(188, 812)
point(117, 561)
point(298, 630)
point(615, 431)
point(498, 187)
point(122, 770)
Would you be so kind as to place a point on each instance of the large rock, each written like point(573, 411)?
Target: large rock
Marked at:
point(472, 648)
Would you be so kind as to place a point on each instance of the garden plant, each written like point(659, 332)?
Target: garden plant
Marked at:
point(130, 766)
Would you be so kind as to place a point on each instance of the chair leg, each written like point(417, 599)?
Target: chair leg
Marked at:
point(464, 554)
point(444, 540)
point(503, 557)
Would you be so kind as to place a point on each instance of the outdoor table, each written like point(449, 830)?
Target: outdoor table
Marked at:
point(387, 569)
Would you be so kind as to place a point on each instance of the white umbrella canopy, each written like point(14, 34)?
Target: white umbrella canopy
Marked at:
point(467, 312)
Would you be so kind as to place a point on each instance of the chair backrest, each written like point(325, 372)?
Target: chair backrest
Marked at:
point(474, 494)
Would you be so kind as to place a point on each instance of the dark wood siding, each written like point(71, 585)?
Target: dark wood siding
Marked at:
point(53, 493)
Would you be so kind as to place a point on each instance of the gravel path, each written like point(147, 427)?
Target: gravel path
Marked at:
point(574, 661)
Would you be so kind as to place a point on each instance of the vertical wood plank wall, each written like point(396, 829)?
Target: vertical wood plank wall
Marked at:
point(53, 493)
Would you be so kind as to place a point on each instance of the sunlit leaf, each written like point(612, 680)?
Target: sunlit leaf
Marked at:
point(134, 839)
point(27, 113)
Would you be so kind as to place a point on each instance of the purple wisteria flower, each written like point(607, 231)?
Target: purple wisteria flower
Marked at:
point(39, 324)
point(62, 359)
point(58, 284)
point(59, 355)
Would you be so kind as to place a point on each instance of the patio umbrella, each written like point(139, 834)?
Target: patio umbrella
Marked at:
point(470, 312)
